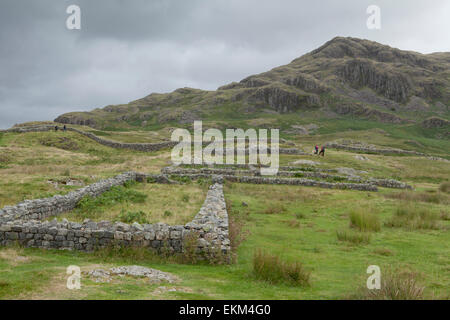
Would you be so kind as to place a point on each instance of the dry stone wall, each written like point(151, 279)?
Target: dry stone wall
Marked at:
point(387, 183)
point(23, 223)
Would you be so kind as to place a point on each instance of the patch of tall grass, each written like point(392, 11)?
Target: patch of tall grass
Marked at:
point(354, 237)
point(413, 218)
point(273, 269)
point(364, 220)
point(395, 285)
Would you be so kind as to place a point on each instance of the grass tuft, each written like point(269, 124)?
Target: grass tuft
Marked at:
point(413, 218)
point(395, 285)
point(273, 269)
point(353, 237)
point(364, 220)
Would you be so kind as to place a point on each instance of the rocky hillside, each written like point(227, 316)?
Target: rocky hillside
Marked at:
point(346, 77)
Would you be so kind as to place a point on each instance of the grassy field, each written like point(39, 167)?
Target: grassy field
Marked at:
point(330, 235)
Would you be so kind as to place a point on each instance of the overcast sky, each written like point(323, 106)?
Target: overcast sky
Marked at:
point(126, 50)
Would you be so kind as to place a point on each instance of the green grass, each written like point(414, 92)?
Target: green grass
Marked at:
point(364, 220)
point(273, 269)
point(408, 238)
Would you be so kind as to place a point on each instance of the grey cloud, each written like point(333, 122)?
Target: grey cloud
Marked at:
point(128, 49)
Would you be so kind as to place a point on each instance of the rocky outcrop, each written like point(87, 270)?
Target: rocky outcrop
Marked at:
point(74, 119)
point(283, 100)
point(368, 113)
point(435, 122)
point(361, 73)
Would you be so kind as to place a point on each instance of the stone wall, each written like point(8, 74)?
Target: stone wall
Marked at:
point(371, 149)
point(23, 223)
point(387, 183)
point(40, 209)
point(285, 181)
point(146, 147)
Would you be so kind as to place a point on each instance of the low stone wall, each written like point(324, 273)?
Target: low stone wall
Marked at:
point(145, 147)
point(286, 181)
point(387, 183)
point(40, 209)
point(22, 223)
point(364, 149)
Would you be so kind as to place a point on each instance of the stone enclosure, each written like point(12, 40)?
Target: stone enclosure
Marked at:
point(24, 223)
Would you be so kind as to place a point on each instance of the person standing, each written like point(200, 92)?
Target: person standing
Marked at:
point(322, 151)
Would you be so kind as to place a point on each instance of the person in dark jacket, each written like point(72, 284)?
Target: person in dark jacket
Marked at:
point(322, 151)
point(316, 148)
point(56, 128)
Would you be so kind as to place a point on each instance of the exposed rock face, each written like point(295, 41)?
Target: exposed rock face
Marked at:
point(73, 119)
point(366, 112)
point(282, 100)
point(435, 122)
point(392, 85)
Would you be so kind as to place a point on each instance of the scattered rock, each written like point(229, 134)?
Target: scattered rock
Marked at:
point(362, 158)
point(154, 276)
point(308, 162)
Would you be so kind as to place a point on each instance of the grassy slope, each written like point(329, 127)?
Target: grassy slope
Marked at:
point(337, 268)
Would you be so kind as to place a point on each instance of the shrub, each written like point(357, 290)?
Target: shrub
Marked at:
point(364, 221)
point(273, 269)
point(189, 254)
point(353, 236)
point(445, 187)
point(133, 216)
point(299, 215)
point(167, 213)
point(412, 217)
point(395, 285)
point(185, 198)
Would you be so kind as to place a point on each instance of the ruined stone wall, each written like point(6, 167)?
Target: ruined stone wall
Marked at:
point(285, 181)
point(367, 149)
point(387, 183)
point(23, 223)
point(146, 147)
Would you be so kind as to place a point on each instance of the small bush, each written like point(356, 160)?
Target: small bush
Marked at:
point(364, 221)
point(395, 285)
point(412, 217)
point(167, 213)
point(445, 187)
point(300, 215)
point(353, 236)
point(189, 254)
point(272, 269)
point(185, 198)
point(133, 216)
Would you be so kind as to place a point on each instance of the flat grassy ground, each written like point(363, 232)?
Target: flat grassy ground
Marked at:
point(297, 223)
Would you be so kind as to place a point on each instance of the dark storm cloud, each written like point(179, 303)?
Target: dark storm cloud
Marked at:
point(128, 49)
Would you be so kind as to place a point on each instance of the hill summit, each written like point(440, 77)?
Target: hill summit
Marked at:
point(345, 77)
